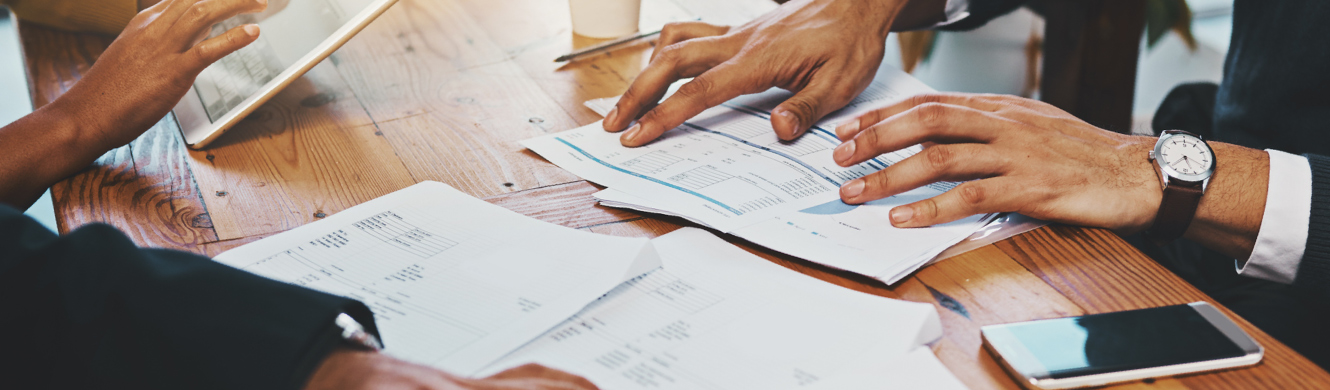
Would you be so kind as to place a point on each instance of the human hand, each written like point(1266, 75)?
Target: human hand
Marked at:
point(150, 66)
point(1023, 155)
point(351, 370)
point(826, 51)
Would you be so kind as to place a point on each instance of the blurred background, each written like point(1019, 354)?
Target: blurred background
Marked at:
point(1185, 41)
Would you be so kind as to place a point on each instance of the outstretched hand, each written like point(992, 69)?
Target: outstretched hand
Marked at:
point(151, 65)
point(826, 51)
point(134, 83)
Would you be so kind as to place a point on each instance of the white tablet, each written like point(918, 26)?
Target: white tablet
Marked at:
point(296, 35)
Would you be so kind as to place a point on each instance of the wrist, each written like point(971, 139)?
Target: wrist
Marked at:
point(1147, 187)
point(1230, 213)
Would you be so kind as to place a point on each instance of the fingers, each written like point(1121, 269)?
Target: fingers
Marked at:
point(720, 84)
point(849, 129)
point(674, 62)
point(205, 13)
point(681, 31)
point(970, 198)
point(932, 122)
point(212, 50)
point(822, 96)
point(939, 163)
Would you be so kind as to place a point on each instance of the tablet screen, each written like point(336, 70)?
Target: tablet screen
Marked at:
point(291, 29)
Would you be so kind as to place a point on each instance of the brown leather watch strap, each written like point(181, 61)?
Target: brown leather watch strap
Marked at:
point(1176, 210)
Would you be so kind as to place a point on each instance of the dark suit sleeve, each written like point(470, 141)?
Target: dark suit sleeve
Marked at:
point(1314, 269)
point(982, 11)
point(90, 310)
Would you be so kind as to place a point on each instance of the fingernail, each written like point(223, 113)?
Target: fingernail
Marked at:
point(852, 189)
point(790, 120)
point(902, 214)
point(847, 129)
point(614, 112)
point(252, 29)
point(630, 136)
point(843, 152)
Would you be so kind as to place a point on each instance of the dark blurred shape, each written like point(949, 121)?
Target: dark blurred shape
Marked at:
point(1189, 107)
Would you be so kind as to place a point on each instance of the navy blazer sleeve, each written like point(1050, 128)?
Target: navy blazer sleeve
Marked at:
point(90, 310)
point(1314, 269)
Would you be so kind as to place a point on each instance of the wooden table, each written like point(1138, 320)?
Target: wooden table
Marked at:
point(443, 90)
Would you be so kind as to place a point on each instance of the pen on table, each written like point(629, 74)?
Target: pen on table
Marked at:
point(606, 46)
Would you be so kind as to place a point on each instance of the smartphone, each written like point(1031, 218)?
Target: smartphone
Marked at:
point(1094, 350)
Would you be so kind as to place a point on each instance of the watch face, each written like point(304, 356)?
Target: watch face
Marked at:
point(1186, 155)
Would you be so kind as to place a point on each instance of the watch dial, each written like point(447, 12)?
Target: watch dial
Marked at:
point(1186, 154)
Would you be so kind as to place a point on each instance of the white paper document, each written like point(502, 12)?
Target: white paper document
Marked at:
point(471, 288)
point(454, 282)
point(717, 317)
point(727, 170)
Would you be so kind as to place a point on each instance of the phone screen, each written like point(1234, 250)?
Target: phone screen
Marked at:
point(1111, 342)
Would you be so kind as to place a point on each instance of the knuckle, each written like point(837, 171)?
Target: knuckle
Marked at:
point(202, 54)
point(875, 182)
point(919, 100)
point(868, 138)
point(671, 54)
point(804, 108)
point(939, 158)
point(699, 88)
point(198, 13)
point(971, 194)
point(927, 209)
point(655, 115)
point(931, 115)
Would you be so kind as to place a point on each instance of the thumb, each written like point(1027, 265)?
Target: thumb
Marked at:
point(797, 114)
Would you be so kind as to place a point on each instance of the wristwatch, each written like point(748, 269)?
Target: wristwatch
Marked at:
point(1185, 164)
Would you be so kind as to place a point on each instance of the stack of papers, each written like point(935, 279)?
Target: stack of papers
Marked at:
point(473, 289)
point(726, 169)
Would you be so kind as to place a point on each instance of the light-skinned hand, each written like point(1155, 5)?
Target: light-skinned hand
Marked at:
point(1026, 156)
point(356, 370)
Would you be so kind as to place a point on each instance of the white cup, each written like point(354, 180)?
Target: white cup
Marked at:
point(605, 18)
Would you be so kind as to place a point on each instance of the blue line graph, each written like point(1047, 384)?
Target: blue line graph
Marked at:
point(611, 166)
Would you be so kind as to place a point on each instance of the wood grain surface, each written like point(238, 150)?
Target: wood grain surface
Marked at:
point(444, 89)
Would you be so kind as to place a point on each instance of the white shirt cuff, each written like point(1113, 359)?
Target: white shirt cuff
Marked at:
point(1288, 208)
point(956, 10)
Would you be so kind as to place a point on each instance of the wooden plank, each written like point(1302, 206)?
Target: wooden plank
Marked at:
point(449, 100)
point(533, 39)
point(1101, 273)
point(991, 288)
point(310, 152)
point(144, 188)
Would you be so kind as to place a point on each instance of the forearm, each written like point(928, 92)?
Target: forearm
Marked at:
point(1229, 217)
point(43, 148)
